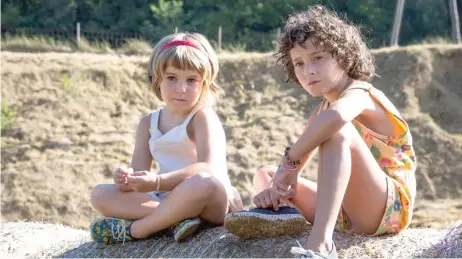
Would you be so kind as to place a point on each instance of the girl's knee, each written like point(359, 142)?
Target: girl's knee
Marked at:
point(204, 184)
point(266, 172)
point(345, 135)
point(99, 194)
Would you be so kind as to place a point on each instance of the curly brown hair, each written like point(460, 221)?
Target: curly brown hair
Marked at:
point(338, 37)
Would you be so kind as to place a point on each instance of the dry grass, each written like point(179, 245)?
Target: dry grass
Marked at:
point(137, 47)
point(46, 44)
point(35, 44)
point(451, 244)
point(31, 239)
point(435, 46)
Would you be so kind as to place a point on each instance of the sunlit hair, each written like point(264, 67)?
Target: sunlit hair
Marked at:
point(204, 61)
point(343, 40)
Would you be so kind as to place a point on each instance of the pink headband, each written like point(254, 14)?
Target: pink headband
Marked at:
point(180, 43)
point(177, 43)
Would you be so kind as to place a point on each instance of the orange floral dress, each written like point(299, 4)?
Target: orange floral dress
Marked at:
point(396, 157)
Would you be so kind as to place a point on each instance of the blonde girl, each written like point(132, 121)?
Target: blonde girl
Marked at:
point(186, 138)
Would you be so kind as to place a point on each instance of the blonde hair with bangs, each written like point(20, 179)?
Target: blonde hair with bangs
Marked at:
point(184, 57)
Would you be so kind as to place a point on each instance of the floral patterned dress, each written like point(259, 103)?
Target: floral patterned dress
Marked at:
point(396, 157)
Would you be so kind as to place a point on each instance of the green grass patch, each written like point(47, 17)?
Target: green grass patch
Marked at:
point(8, 116)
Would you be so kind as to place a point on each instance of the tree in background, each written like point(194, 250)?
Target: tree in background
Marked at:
point(246, 24)
point(169, 15)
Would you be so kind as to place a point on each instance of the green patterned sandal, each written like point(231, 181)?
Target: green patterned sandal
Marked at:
point(185, 228)
point(111, 231)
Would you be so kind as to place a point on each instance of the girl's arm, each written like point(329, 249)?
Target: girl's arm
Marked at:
point(306, 158)
point(330, 121)
point(141, 158)
point(210, 140)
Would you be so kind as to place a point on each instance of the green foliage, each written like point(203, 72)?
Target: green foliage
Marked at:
point(8, 117)
point(168, 14)
point(71, 84)
point(249, 23)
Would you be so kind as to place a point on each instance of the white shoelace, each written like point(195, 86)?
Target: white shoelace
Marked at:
point(119, 231)
point(302, 252)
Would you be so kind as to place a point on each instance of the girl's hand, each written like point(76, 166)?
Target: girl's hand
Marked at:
point(235, 203)
point(142, 181)
point(284, 182)
point(267, 199)
point(120, 178)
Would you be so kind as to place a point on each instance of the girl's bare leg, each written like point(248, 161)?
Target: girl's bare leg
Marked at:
point(200, 195)
point(112, 202)
point(348, 176)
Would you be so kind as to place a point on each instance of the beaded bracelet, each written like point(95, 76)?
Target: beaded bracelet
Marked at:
point(290, 161)
point(281, 167)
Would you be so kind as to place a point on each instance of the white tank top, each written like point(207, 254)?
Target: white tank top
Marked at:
point(174, 150)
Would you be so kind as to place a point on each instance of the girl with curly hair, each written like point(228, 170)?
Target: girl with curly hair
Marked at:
point(366, 173)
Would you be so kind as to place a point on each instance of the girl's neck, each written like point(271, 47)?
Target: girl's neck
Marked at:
point(175, 114)
point(333, 95)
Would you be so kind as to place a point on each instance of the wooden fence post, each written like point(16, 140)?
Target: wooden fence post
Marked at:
point(278, 33)
point(219, 38)
point(397, 23)
point(78, 34)
point(454, 21)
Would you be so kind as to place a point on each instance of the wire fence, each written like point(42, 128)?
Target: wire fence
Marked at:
point(114, 39)
point(117, 39)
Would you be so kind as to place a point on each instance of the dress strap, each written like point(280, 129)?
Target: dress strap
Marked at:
point(358, 85)
point(379, 98)
point(322, 106)
point(154, 120)
point(193, 112)
point(325, 104)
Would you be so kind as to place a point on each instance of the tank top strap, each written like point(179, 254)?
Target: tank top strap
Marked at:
point(322, 106)
point(393, 113)
point(193, 112)
point(380, 98)
point(358, 85)
point(154, 120)
point(325, 104)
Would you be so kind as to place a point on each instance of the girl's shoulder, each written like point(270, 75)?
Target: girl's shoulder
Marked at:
point(148, 120)
point(377, 96)
point(384, 100)
point(205, 115)
point(358, 84)
point(205, 122)
point(145, 121)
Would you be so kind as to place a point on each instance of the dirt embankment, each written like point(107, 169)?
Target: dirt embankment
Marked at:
point(76, 116)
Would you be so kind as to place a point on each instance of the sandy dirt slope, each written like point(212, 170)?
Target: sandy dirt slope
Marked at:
point(76, 116)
